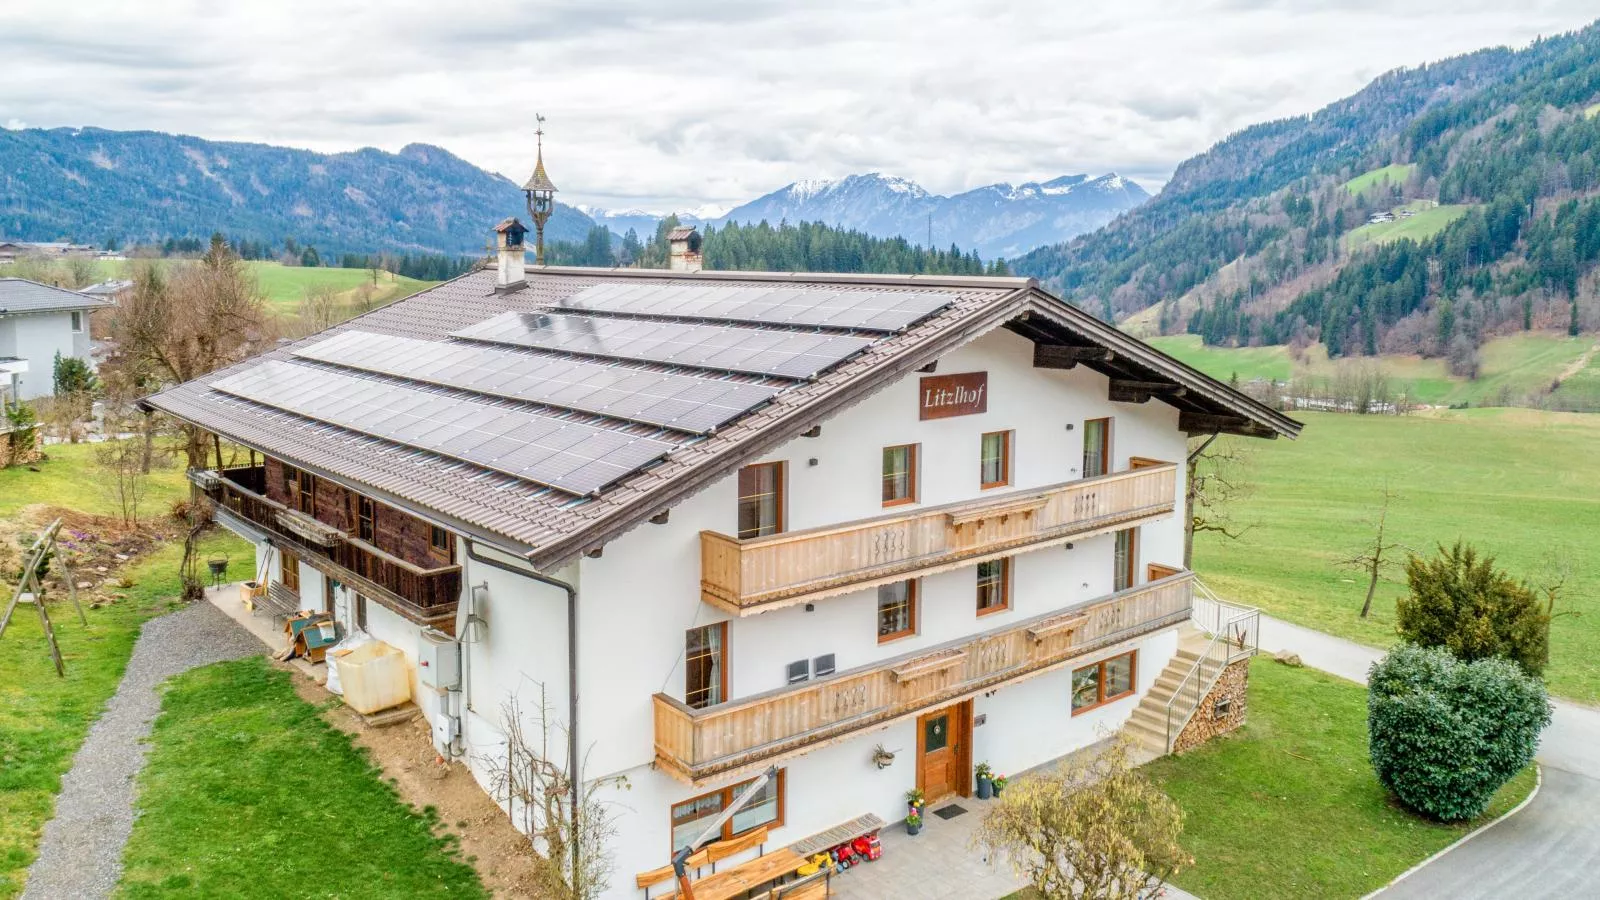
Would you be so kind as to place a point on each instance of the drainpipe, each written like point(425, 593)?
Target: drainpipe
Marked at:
point(572, 692)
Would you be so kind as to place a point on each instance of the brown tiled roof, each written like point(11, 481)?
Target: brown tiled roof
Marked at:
point(552, 525)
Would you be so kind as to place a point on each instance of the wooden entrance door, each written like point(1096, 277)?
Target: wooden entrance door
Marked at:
point(944, 752)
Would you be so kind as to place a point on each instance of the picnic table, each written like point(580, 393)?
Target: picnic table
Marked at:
point(757, 873)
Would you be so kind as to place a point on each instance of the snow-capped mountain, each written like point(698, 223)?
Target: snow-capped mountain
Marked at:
point(644, 220)
point(998, 220)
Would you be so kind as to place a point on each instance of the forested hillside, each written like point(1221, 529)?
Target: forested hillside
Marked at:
point(1435, 207)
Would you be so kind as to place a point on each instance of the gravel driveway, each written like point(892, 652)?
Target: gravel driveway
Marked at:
point(80, 855)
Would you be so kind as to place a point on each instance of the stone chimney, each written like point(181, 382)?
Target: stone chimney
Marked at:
point(513, 261)
point(683, 254)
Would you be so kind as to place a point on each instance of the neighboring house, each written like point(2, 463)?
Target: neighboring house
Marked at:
point(38, 321)
point(731, 520)
point(113, 291)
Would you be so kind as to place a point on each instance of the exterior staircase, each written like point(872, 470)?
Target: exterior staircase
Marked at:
point(1148, 724)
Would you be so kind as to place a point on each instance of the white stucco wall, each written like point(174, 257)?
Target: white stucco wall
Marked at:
point(37, 337)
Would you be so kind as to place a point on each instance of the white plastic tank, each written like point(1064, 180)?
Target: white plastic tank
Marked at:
point(374, 676)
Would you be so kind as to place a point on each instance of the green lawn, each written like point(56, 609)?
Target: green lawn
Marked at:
point(1519, 484)
point(1249, 363)
point(44, 718)
point(66, 478)
point(1394, 174)
point(285, 286)
point(1425, 224)
point(248, 792)
point(1288, 806)
point(1581, 390)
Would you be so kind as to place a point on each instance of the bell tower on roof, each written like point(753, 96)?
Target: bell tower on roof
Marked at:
point(541, 194)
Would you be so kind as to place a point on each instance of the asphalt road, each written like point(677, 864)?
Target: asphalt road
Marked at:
point(1551, 849)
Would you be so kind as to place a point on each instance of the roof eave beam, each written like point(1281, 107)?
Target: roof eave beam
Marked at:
point(1059, 356)
point(1125, 391)
point(1194, 423)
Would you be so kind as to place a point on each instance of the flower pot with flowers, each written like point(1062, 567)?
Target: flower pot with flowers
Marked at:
point(915, 801)
point(913, 823)
point(985, 781)
point(999, 782)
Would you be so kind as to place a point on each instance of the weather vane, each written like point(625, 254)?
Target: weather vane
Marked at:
point(541, 194)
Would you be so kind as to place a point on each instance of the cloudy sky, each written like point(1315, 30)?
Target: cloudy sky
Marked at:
point(661, 104)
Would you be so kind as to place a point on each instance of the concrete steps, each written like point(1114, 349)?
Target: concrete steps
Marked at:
point(1148, 724)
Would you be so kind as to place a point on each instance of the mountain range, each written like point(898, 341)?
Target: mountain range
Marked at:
point(90, 184)
point(1433, 208)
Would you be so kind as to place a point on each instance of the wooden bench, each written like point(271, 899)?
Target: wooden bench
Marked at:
point(710, 854)
point(838, 834)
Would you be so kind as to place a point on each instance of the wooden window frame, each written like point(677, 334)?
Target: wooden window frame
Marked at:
point(1005, 459)
point(289, 571)
point(445, 551)
point(729, 794)
point(722, 666)
point(913, 599)
point(366, 525)
point(781, 489)
point(306, 494)
point(1128, 571)
point(1105, 446)
point(1005, 587)
point(1133, 681)
point(913, 487)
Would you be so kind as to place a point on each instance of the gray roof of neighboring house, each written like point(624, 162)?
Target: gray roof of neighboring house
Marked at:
point(19, 295)
point(559, 415)
point(107, 288)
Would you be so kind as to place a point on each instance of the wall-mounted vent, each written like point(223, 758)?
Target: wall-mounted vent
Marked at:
point(823, 665)
point(799, 670)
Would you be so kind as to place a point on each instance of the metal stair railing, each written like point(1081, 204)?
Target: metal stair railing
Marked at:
point(1235, 635)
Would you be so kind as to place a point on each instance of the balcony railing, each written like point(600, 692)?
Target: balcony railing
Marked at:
point(748, 576)
point(425, 595)
point(697, 744)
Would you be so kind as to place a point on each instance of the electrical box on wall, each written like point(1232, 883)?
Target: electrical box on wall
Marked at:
point(438, 661)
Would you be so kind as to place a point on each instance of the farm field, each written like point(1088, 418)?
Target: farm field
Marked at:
point(1393, 174)
point(247, 789)
point(1425, 224)
point(285, 286)
point(1519, 484)
point(1512, 367)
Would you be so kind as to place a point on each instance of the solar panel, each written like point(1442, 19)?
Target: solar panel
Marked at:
point(685, 402)
point(876, 310)
point(791, 354)
point(573, 456)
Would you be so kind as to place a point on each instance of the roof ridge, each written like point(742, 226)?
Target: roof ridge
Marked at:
point(989, 281)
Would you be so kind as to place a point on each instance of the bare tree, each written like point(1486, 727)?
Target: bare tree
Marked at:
point(1094, 828)
point(531, 781)
point(1376, 556)
point(185, 320)
point(1555, 570)
point(1217, 478)
point(121, 463)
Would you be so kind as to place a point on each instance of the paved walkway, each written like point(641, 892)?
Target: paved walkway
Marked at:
point(1551, 849)
point(80, 855)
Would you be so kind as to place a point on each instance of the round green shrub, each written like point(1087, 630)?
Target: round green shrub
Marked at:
point(1444, 734)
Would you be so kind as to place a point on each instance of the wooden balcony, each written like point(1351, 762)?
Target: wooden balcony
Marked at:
point(757, 574)
point(427, 596)
point(698, 744)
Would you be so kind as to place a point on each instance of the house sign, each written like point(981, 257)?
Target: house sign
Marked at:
point(963, 394)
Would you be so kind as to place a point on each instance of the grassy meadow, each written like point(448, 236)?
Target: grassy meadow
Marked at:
point(248, 790)
point(285, 286)
point(1296, 778)
point(1430, 219)
point(67, 478)
point(1519, 484)
point(1511, 367)
point(1392, 174)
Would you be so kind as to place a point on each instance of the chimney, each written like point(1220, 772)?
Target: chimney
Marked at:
point(513, 263)
point(683, 253)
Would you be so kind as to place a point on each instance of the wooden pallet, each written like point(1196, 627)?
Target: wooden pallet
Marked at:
point(838, 834)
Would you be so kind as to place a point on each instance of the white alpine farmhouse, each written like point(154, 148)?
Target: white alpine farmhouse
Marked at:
point(37, 322)
point(869, 530)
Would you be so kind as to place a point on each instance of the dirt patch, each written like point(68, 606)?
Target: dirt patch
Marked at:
point(96, 547)
point(505, 863)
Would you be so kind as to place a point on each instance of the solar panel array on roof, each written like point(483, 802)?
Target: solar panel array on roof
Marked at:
point(573, 456)
point(685, 402)
point(875, 310)
point(791, 354)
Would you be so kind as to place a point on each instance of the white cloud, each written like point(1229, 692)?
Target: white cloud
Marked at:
point(656, 104)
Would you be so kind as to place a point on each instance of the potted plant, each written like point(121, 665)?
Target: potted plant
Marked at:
point(999, 782)
point(915, 801)
point(913, 823)
point(985, 781)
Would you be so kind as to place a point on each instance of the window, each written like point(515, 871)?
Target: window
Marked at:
point(1103, 682)
point(1096, 448)
point(900, 475)
point(441, 542)
point(705, 665)
point(305, 496)
point(693, 816)
point(994, 462)
point(1127, 559)
point(760, 500)
point(291, 486)
point(289, 572)
point(897, 610)
point(77, 322)
point(994, 585)
point(366, 519)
